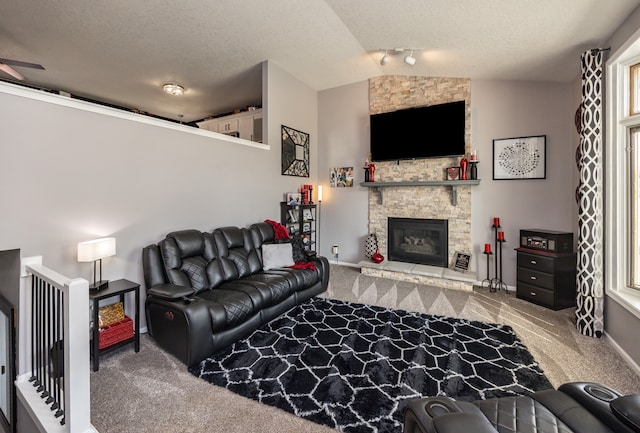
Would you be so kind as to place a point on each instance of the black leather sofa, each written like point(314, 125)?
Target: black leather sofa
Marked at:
point(578, 407)
point(208, 290)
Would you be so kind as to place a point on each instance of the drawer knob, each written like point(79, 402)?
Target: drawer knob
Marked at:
point(533, 262)
point(533, 278)
point(533, 293)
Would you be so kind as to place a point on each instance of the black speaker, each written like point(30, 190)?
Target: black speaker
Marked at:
point(547, 240)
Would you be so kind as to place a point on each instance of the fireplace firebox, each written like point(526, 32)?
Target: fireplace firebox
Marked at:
point(420, 241)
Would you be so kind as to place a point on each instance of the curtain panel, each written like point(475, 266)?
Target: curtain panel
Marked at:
point(589, 157)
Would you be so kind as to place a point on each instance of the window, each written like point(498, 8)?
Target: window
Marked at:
point(634, 89)
point(622, 176)
point(634, 207)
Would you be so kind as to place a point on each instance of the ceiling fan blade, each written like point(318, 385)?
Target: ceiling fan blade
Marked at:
point(21, 64)
point(9, 70)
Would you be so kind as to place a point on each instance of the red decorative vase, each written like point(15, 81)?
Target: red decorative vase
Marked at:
point(463, 169)
point(372, 170)
point(377, 257)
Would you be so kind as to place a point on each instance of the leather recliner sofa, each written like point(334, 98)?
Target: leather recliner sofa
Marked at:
point(579, 407)
point(208, 290)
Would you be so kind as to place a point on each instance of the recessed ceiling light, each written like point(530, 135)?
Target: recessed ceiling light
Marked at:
point(173, 89)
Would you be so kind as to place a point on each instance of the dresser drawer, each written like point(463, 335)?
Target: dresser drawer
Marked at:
point(536, 278)
point(537, 262)
point(535, 294)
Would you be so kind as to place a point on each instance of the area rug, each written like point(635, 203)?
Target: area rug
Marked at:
point(354, 367)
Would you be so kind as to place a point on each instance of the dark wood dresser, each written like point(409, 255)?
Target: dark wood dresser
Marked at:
point(546, 279)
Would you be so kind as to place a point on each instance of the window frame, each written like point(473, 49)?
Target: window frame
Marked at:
point(617, 192)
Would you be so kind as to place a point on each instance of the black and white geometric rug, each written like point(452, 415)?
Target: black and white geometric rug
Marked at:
point(354, 367)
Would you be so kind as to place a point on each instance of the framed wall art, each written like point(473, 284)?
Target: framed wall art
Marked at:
point(520, 158)
point(341, 177)
point(295, 152)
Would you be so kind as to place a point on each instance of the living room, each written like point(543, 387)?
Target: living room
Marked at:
point(71, 174)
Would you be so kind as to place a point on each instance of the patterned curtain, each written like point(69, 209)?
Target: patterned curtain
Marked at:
point(589, 157)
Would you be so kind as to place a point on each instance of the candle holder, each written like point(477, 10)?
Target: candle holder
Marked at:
point(473, 175)
point(499, 284)
point(494, 281)
point(488, 279)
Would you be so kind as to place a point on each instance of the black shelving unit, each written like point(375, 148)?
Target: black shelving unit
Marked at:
point(302, 219)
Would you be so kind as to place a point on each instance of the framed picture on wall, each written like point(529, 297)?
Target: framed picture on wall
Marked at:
point(520, 158)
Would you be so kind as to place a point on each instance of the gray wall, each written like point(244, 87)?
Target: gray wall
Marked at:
point(343, 116)
point(503, 109)
point(69, 175)
point(499, 109)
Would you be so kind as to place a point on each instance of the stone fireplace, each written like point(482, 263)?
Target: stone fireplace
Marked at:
point(389, 93)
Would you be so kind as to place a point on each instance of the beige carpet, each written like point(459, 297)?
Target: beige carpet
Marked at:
point(153, 392)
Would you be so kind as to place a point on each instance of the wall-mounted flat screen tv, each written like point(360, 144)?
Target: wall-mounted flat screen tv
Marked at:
point(434, 131)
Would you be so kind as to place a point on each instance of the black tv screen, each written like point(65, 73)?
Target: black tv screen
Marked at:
point(434, 131)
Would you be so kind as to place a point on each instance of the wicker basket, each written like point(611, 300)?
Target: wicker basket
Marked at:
point(115, 333)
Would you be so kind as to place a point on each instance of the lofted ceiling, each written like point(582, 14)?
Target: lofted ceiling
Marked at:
point(121, 52)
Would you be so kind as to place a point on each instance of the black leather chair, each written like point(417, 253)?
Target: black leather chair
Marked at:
point(579, 407)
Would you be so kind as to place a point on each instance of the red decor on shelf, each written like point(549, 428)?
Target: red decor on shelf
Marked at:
point(377, 257)
point(487, 248)
point(463, 168)
point(372, 169)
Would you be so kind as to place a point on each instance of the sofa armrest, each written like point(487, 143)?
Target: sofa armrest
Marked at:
point(627, 408)
point(462, 422)
point(322, 264)
point(170, 292)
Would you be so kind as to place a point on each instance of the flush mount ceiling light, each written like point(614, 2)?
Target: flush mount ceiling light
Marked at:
point(409, 59)
point(173, 89)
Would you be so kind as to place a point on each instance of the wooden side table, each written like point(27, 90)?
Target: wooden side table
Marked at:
point(116, 288)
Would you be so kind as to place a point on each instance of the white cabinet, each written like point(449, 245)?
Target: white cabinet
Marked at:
point(246, 125)
point(209, 125)
point(228, 125)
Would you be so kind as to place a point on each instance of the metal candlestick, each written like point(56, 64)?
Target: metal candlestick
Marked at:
point(500, 285)
point(494, 281)
point(488, 280)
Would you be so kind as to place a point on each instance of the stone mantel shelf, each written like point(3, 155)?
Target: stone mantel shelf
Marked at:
point(454, 184)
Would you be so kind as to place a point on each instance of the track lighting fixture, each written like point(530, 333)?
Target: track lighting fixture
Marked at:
point(408, 59)
point(385, 59)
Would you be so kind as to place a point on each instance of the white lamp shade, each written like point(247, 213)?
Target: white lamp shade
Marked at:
point(319, 192)
point(90, 251)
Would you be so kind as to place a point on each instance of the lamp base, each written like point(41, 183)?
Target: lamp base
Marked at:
point(99, 285)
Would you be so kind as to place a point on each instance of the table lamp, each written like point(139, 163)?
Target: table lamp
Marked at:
point(94, 251)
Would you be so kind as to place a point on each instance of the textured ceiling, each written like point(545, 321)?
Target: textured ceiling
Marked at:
point(120, 52)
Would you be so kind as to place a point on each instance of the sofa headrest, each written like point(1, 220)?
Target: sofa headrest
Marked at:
point(189, 242)
point(232, 237)
point(262, 233)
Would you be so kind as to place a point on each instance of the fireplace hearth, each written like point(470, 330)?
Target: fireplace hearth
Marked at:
point(419, 241)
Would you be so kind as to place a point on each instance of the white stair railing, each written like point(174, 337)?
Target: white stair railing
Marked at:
point(55, 386)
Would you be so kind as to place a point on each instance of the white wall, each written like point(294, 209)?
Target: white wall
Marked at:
point(499, 109)
point(68, 175)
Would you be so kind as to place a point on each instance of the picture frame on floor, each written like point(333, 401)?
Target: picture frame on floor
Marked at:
point(461, 261)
